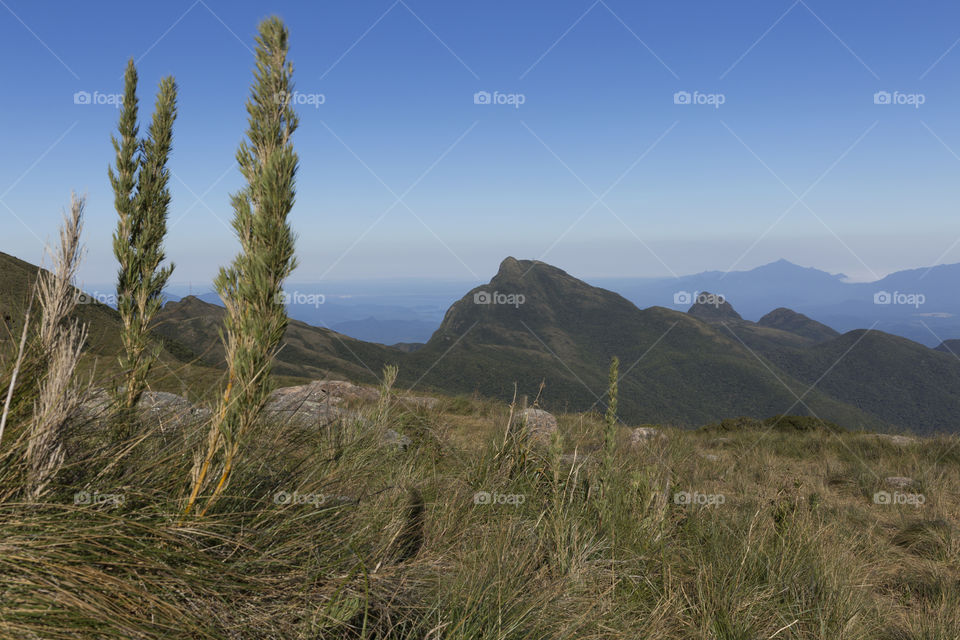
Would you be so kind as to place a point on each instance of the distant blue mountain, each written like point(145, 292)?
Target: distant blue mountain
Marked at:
point(920, 304)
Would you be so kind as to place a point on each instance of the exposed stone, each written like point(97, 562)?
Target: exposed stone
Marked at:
point(340, 390)
point(710, 456)
point(540, 424)
point(169, 412)
point(418, 402)
point(900, 441)
point(645, 434)
point(898, 482)
point(396, 440)
point(316, 404)
point(156, 410)
point(577, 457)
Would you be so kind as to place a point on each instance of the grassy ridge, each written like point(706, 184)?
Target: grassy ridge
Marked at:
point(369, 541)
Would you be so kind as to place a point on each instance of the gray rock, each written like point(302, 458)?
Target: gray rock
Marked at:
point(396, 440)
point(578, 457)
point(900, 441)
point(540, 424)
point(157, 410)
point(898, 482)
point(167, 412)
point(316, 404)
point(418, 402)
point(640, 435)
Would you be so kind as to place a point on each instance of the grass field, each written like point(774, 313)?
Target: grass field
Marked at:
point(740, 531)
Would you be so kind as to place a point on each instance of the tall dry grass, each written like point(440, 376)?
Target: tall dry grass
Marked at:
point(60, 343)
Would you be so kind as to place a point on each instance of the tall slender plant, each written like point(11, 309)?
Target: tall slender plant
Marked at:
point(251, 287)
point(61, 342)
point(142, 199)
point(610, 419)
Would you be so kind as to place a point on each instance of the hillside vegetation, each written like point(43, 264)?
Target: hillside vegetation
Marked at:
point(738, 531)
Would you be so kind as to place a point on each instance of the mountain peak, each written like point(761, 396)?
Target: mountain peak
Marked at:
point(711, 307)
point(797, 323)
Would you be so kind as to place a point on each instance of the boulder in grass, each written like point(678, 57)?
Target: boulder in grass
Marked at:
point(316, 404)
point(898, 482)
point(156, 410)
point(168, 412)
point(418, 402)
point(541, 425)
point(396, 440)
point(643, 435)
point(339, 391)
point(900, 441)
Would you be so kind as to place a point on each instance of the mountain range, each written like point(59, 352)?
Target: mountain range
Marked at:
point(535, 323)
point(537, 331)
point(919, 304)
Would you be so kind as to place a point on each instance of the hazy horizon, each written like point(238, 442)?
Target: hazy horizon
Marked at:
point(598, 159)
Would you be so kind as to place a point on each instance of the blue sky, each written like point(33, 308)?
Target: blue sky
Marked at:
point(599, 171)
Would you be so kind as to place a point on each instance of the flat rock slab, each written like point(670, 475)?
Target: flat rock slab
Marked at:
point(900, 441)
point(168, 411)
point(316, 404)
point(640, 435)
point(396, 440)
point(898, 482)
point(157, 410)
point(418, 402)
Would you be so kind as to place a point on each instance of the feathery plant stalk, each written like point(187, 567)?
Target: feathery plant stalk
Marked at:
point(142, 199)
point(610, 419)
point(61, 344)
point(251, 287)
point(390, 372)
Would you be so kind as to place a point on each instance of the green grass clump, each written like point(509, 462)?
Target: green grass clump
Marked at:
point(474, 531)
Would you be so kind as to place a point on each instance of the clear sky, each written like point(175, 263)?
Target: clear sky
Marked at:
point(599, 170)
